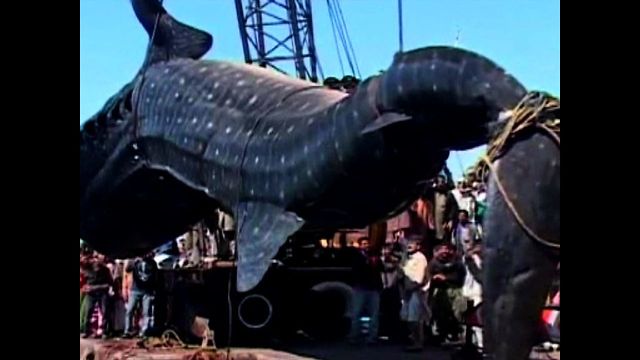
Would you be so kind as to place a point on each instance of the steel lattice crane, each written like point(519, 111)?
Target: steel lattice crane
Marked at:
point(276, 32)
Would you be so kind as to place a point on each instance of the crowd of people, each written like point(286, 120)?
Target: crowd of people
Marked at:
point(116, 297)
point(428, 271)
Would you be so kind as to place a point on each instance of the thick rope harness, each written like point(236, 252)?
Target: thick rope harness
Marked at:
point(538, 112)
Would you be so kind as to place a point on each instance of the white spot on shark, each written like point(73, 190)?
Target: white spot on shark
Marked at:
point(257, 160)
point(310, 121)
point(180, 120)
point(433, 67)
point(259, 81)
point(309, 173)
point(228, 102)
point(177, 95)
point(270, 131)
point(306, 149)
point(182, 81)
point(281, 194)
point(210, 125)
point(435, 87)
point(541, 146)
point(209, 97)
point(203, 69)
point(400, 89)
point(194, 120)
point(216, 85)
point(228, 130)
point(252, 192)
point(217, 152)
point(166, 70)
point(290, 129)
point(190, 100)
point(253, 99)
point(282, 159)
point(153, 85)
point(241, 83)
point(256, 230)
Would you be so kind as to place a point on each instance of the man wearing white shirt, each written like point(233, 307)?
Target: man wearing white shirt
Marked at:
point(413, 288)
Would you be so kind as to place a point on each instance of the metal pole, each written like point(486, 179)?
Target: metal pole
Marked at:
point(242, 26)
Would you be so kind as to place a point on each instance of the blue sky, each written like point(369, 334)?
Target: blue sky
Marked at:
point(523, 36)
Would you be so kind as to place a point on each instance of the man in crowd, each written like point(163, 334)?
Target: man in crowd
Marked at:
point(445, 209)
point(97, 284)
point(447, 277)
point(367, 270)
point(415, 310)
point(390, 300)
point(144, 273)
point(465, 234)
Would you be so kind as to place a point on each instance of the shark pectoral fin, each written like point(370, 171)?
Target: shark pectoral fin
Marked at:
point(384, 121)
point(262, 228)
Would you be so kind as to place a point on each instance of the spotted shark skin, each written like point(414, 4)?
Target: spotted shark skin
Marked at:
point(276, 152)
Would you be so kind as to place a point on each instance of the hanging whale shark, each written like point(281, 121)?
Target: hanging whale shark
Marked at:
point(187, 136)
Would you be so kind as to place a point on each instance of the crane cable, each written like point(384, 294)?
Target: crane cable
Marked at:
point(346, 34)
point(400, 27)
point(335, 39)
point(338, 25)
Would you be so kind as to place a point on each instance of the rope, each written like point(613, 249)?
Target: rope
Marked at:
point(528, 114)
point(536, 111)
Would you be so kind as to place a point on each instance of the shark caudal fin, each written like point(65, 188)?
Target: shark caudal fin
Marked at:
point(171, 38)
